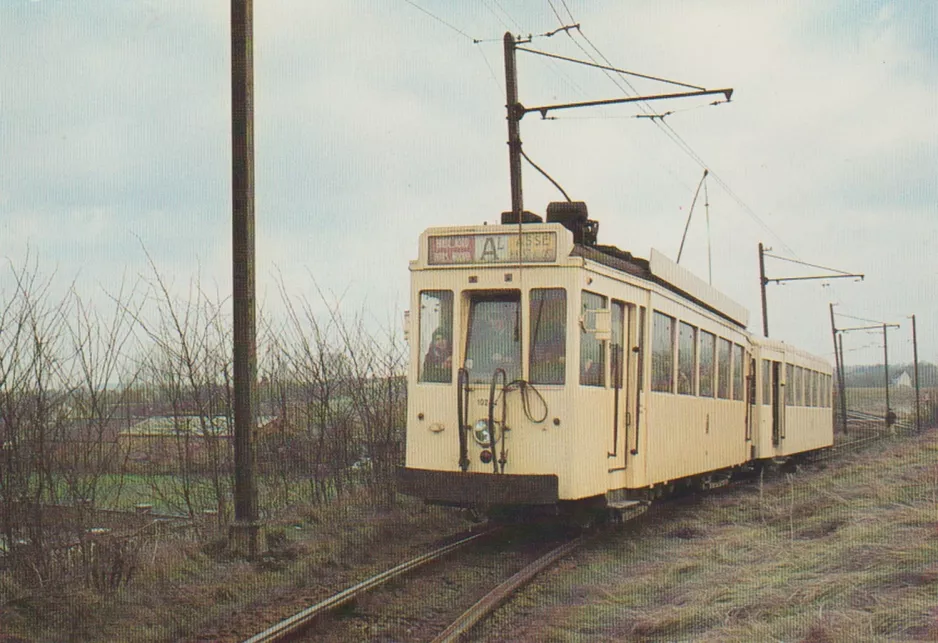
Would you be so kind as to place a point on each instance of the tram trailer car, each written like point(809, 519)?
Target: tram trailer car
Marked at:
point(549, 371)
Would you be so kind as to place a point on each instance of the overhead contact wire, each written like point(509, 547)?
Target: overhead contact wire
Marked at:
point(671, 133)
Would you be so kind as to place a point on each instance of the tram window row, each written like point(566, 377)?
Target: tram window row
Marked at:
point(706, 364)
point(805, 387)
point(685, 359)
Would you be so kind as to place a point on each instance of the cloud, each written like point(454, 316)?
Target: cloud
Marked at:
point(375, 122)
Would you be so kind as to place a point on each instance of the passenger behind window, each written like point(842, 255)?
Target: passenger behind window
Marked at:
point(591, 373)
point(498, 343)
point(549, 362)
point(438, 364)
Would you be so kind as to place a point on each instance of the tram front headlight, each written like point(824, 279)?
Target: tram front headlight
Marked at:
point(481, 433)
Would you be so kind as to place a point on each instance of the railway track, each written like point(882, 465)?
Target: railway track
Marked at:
point(491, 601)
point(863, 427)
point(289, 628)
point(441, 602)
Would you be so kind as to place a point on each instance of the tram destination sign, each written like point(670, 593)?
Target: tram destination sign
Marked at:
point(539, 247)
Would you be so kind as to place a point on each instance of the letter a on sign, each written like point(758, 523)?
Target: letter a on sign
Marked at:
point(489, 253)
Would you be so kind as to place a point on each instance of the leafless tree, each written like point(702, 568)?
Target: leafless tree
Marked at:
point(187, 364)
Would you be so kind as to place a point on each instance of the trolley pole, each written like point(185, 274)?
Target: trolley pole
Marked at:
point(762, 282)
point(243, 535)
point(918, 414)
point(515, 113)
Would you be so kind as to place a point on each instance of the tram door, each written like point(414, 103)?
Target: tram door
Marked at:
point(778, 402)
point(620, 362)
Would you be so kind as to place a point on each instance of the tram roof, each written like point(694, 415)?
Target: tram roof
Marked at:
point(658, 269)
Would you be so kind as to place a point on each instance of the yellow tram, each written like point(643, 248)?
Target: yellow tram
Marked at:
point(547, 369)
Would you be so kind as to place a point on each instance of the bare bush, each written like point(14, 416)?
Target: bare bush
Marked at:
point(187, 367)
point(341, 397)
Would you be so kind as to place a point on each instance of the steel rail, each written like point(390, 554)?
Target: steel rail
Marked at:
point(863, 416)
point(301, 620)
point(490, 602)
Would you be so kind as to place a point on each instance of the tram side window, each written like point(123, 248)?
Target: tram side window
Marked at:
point(686, 359)
point(617, 359)
point(812, 388)
point(737, 372)
point(766, 382)
point(662, 353)
point(436, 336)
point(592, 356)
point(828, 390)
point(724, 349)
point(799, 386)
point(708, 342)
point(548, 335)
point(789, 384)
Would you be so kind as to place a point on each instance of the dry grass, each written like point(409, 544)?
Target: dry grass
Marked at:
point(846, 551)
point(188, 588)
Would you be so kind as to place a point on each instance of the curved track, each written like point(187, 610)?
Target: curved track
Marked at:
point(491, 601)
point(288, 628)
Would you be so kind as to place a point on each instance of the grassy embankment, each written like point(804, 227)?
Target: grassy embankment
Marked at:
point(845, 550)
point(184, 587)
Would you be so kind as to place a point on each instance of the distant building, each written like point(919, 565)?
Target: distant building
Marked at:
point(165, 440)
point(903, 380)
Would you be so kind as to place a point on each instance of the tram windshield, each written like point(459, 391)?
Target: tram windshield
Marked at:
point(494, 338)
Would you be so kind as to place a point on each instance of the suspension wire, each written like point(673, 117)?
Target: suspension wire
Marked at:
point(872, 321)
point(546, 175)
point(441, 21)
point(805, 263)
point(676, 138)
point(569, 13)
point(606, 67)
point(502, 9)
point(666, 128)
point(491, 69)
point(559, 19)
point(659, 122)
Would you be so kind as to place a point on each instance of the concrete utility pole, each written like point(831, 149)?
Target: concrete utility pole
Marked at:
point(890, 416)
point(843, 381)
point(243, 536)
point(839, 366)
point(762, 283)
point(515, 112)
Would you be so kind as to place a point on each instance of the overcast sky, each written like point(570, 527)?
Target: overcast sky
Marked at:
point(375, 120)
